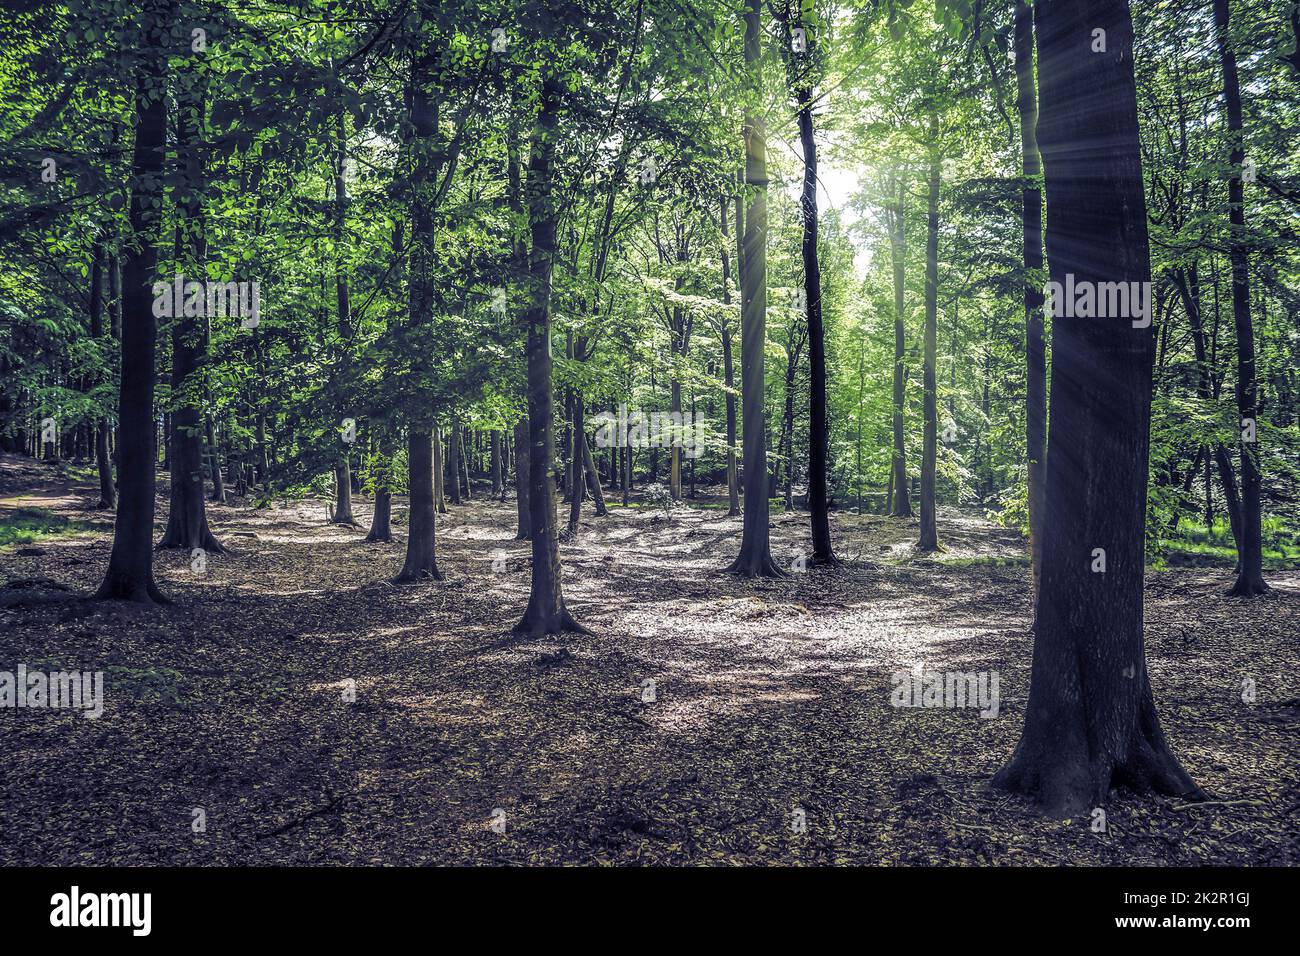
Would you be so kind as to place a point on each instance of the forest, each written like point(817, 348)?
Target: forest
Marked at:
point(650, 432)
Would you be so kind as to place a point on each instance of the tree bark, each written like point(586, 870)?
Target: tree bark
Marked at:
point(187, 518)
point(755, 558)
point(577, 468)
point(342, 513)
point(593, 479)
point(497, 487)
point(214, 462)
point(130, 564)
point(381, 520)
point(421, 538)
point(902, 503)
point(1031, 203)
point(1091, 720)
point(929, 537)
point(1250, 564)
point(107, 491)
point(522, 484)
point(818, 431)
point(546, 612)
point(729, 374)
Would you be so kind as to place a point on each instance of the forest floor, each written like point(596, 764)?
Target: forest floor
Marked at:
point(770, 700)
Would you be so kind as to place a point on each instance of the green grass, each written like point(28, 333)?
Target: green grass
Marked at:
point(1199, 546)
point(29, 525)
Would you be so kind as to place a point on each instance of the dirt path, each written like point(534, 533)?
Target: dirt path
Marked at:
point(770, 703)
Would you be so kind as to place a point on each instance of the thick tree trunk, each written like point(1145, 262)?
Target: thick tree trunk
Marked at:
point(130, 564)
point(1031, 213)
point(1250, 563)
point(421, 523)
point(343, 494)
point(381, 519)
point(929, 538)
point(755, 558)
point(546, 612)
point(1091, 721)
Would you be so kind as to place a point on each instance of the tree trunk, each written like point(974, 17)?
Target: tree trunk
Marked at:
point(577, 469)
point(1091, 720)
point(421, 523)
point(439, 472)
point(729, 374)
point(1250, 564)
point(1031, 213)
point(785, 447)
point(546, 612)
point(187, 518)
point(214, 463)
point(421, 536)
point(381, 520)
point(130, 564)
point(343, 493)
point(466, 446)
point(755, 558)
point(902, 502)
point(453, 462)
point(929, 538)
point(593, 479)
point(497, 487)
point(522, 483)
point(107, 492)
point(1031, 256)
point(818, 433)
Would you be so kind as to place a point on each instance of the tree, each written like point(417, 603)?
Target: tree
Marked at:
point(546, 612)
point(1091, 720)
point(1250, 564)
point(130, 563)
point(755, 558)
point(929, 540)
point(103, 463)
point(187, 518)
point(896, 216)
point(421, 536)
point(1031, 213)
point(818, 433)
point(728, 363)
